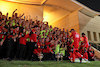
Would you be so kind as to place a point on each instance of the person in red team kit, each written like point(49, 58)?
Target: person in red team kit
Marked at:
point(37, 51)
point(2, 39)
point(33, 41)
point(48, 53)
point(85, 46)
point(22, 42)
point(76, 39)
point(91, 54)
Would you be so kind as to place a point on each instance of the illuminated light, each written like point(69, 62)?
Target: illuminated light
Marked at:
point(6, 7)
point(2, 7)
point(45, 16)
point(11, 0)
point(25, 1)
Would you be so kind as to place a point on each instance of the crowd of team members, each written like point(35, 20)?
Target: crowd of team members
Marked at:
point(24, 39)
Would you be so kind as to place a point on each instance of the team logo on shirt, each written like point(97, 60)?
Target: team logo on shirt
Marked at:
point(76, 36)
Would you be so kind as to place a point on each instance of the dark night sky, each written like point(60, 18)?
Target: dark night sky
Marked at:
point(92, 4)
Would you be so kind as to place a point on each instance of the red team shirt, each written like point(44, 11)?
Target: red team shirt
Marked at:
point(76, 38)
point(85, 41)
point(33, 36)
point(38, 50)
point(22, 40)
point(47, 50)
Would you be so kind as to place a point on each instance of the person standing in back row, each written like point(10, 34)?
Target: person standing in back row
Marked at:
point(33, 42)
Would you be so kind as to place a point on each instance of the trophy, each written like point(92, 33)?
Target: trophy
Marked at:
point(40, 57)
point(58, 56)
point(61, 55)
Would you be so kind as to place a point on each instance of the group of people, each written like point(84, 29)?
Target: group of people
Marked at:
point(25, 39)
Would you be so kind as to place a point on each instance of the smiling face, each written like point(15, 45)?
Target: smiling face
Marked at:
point(17, 28)
point(42, 40)
point(47, 40)
point(24, 30)
point(72, 31)
point(82, 35)
point(36, 28)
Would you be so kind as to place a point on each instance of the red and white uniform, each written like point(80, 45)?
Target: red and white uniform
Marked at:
point(85, 42)
point(76, 39)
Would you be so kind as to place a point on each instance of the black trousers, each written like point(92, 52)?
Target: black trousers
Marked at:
point(22, 52)
point(46, 56)
point(90, 58)
point(1, 52)
point(31, 47)
point(4, 51)
point(49, 56)
point(35, 57)
point(18, 51)
point(52, 56)
point(10, 48)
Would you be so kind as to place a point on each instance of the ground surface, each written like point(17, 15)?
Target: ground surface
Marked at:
point(14, 63)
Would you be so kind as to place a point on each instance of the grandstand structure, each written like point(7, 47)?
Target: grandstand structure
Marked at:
point(66, 14)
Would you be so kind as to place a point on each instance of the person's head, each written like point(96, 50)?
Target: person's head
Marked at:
point(47, 39)
point(32, 21)
point(36, 27)
point(58, 42)
point(43, 40)
point(61, 35)
point(9, 18)
point(17, 28)
point(40, 40)
point(13, 17)
point(62, 46)
point(5, 28)
point(50, 26)
point(47, 23)
point(24, 30)
point(0, 13)
point(72, 30)
point(16, 14)
point(64, 38)
point(11, 28)
point(63, 29)
point(83, 34)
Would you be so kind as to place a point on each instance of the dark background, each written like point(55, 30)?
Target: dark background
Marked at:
point(92, 4)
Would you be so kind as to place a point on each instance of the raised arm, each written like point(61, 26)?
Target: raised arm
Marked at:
point(14, 12)
point(0, 13)
point(29, 17)
point(21, 15)
point(7, 15)
point(3, 20)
